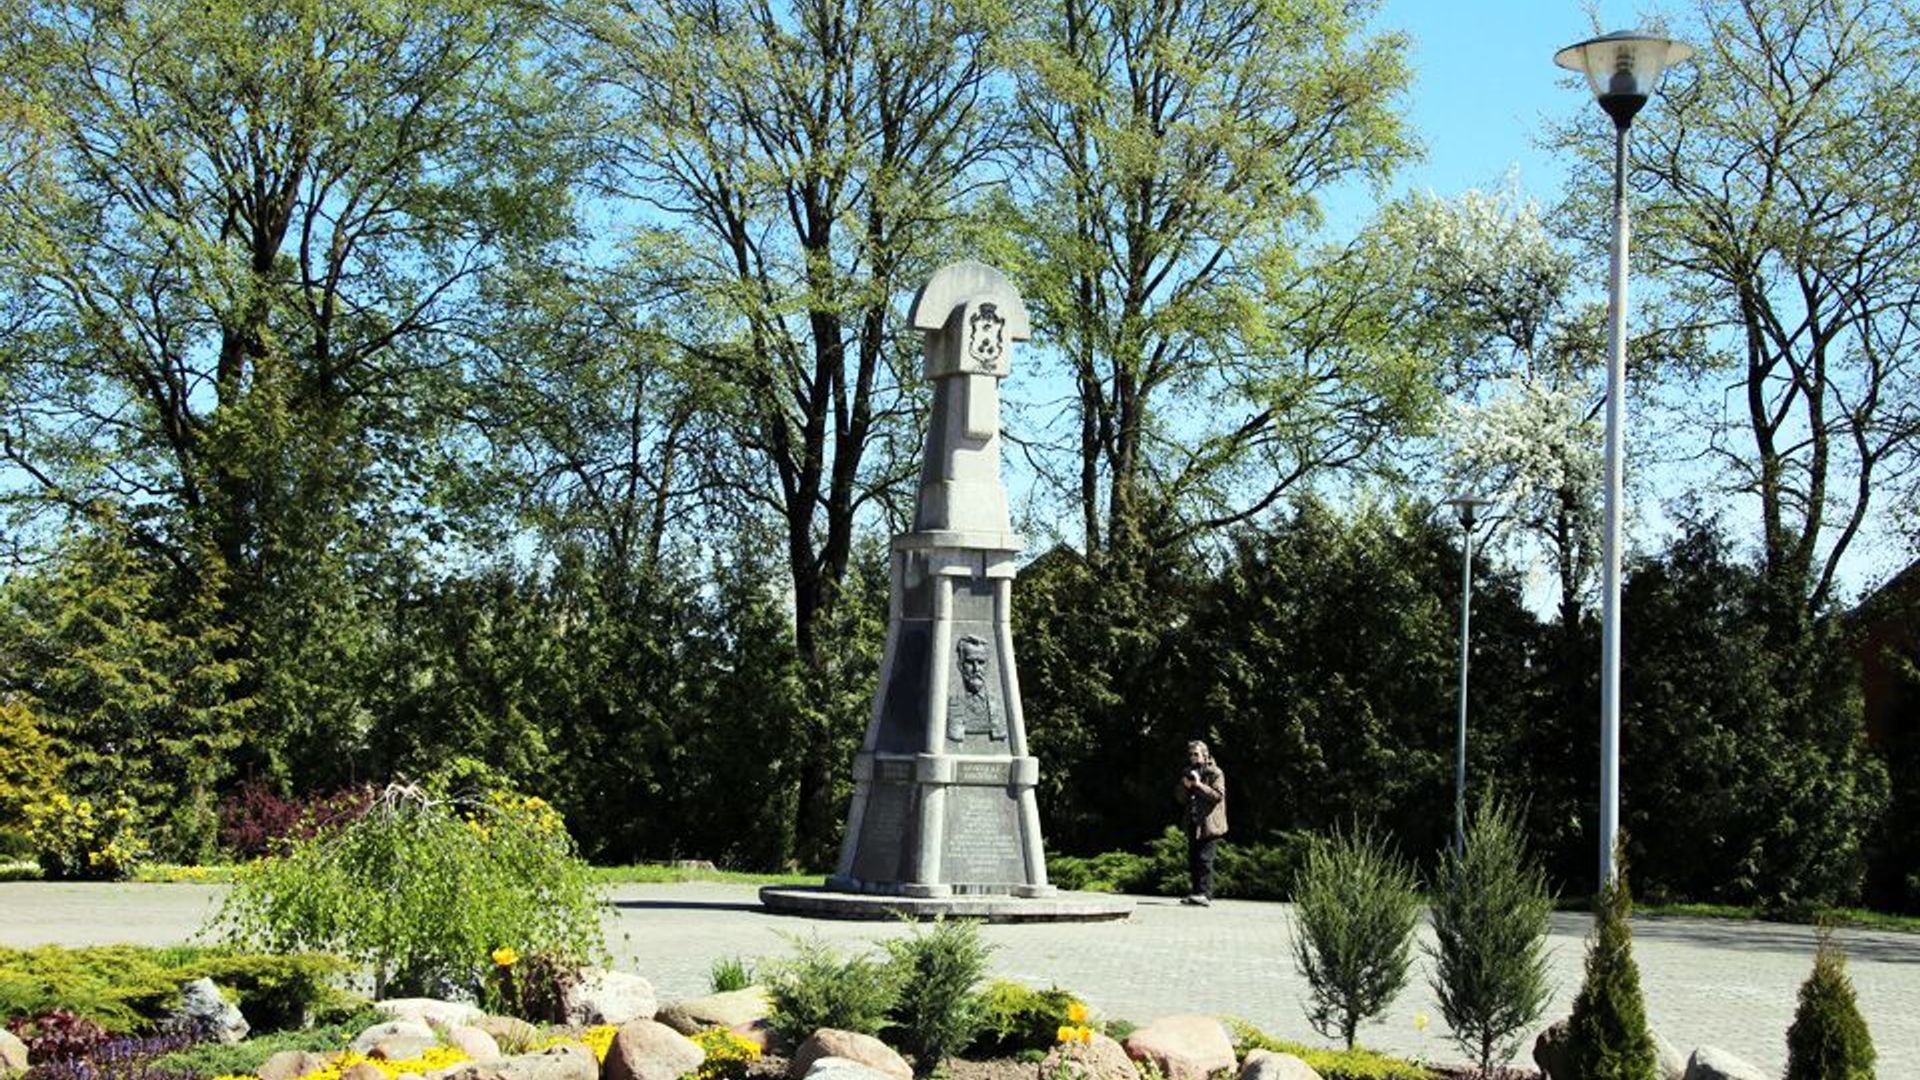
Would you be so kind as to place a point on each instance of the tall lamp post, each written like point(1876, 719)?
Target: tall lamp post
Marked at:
point(1623, 68)
point(1466, 506)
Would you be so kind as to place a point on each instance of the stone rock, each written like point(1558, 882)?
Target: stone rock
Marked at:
point(401, 1048)
point(363, 1071)
point(1185, 1046)
point(1670, 1061)
point(510, 1032)
point(726, 1010)
point(761, 1034)
point(203, 1008)
point(851, 1045)
point(474, 1043)
point(833, 1068)
point(598, 996)
point(291, 1065)
point(1270, 1065)
point(429, 1011)
point(1713, 1063)
point(13, 1052)
point(567, 1061)
point(650, 1050)
point(1101, 1059)
point(1550, 1051)
point(366, 1041)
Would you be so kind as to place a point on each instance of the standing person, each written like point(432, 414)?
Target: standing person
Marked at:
point(1203, 790)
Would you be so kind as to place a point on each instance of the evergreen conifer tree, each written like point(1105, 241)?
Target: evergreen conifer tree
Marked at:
point(1829, 1038)
point(1608, 1038)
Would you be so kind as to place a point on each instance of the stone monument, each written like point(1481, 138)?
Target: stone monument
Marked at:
point(943, 805)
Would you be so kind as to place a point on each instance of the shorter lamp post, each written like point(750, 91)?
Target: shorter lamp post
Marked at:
point(1623, 68)
point(1467, 506)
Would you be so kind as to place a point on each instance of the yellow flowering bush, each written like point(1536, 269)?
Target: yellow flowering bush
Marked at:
point(77, 840)
point(729, 1057)
point(598, 1038)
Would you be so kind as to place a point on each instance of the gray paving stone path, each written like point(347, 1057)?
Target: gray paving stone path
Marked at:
point(1726, 984)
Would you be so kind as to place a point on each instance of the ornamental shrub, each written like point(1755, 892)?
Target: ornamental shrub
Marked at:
point(1356, 1064)
point(256, 818)
point(80, 840)
point(29, 767)
point(1356, 902)
point(818, 986)
point(1829, 1038)
point(1016, 1018)
point(943, 966)
point(1490, 909)
point(130, 988)
point(1607, 1036)
point(422, 890)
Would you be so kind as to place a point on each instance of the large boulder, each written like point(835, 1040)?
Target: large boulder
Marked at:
point(567, 1061)
point(429, 1011)
point(731, 1009)
point(1272, 1065)
point(1713, 1063)
point(474, 1042)
point(204, 1009)
point(1099, 1059)
point(292, 1065)
point(363, 1071)
point(851, 1045)
point(13, 1053)
point(1185, 1046)
point(392, 1034)
point(597, 996)
point(1550, 1051)
point(650, 1050)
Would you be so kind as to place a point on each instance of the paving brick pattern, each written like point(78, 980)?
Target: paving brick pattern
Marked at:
point(1731, 985)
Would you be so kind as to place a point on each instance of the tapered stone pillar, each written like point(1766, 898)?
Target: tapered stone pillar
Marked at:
point(943, 801)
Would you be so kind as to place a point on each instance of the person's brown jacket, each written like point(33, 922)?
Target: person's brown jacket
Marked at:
point(1206, 804)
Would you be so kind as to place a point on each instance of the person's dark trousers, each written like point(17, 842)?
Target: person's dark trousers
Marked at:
point(1200, 865)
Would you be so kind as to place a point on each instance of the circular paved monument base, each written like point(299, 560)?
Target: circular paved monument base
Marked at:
point(819, 902)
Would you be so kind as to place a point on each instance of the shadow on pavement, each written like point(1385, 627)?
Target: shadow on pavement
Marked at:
point(688, 905)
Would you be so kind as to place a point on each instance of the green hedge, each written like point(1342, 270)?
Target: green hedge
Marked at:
point(127, 988)
point(1253, 871)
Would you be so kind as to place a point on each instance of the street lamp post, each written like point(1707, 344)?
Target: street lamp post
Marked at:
point(1623, 69)
point(1467, 506)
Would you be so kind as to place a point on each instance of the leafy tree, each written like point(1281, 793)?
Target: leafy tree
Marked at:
point(1491, 912)
point(1829, 1038)
point(1178, 153)
point(1607, 1035)
point(802, 168)
point(1356, 904)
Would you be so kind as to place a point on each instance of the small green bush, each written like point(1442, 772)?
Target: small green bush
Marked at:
point(943, 966)
point(818, 986)
point(1356, 902)
point(129, 989)
point(1607, 1035)
point(729, 974)
point(1491, 910)
point(379, 890)
point(1829, 1038)
point(1017, 1019)
point(242, 1058)
point(1354, 1064)
point(1262, 871)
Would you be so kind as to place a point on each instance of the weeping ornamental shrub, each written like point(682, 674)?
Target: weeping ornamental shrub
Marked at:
point(1607, 1036)
point(422, 889)
point(1355, 899)
point(1829, 1038)
point(1491, 909)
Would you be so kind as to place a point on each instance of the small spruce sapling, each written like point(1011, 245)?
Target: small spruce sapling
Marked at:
point(1357, 904)
point(1608, 1038)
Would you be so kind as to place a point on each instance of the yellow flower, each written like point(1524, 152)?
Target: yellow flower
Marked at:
point(1420, 1021)
point(1085, 1033)
point(1065, 1034)
point(1076, 1013)
point(505, 957)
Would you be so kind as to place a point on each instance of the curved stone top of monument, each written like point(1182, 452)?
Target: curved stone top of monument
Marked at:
point(965, 282)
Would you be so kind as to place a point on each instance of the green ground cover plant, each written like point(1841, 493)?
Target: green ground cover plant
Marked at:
point(129, 988)
point(1350, 1064)
point(1017, 1019)
point(241, 1058)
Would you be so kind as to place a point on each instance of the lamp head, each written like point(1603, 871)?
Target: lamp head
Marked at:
point(1623, 68)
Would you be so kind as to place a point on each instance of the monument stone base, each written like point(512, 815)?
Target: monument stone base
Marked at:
point(827, 902)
